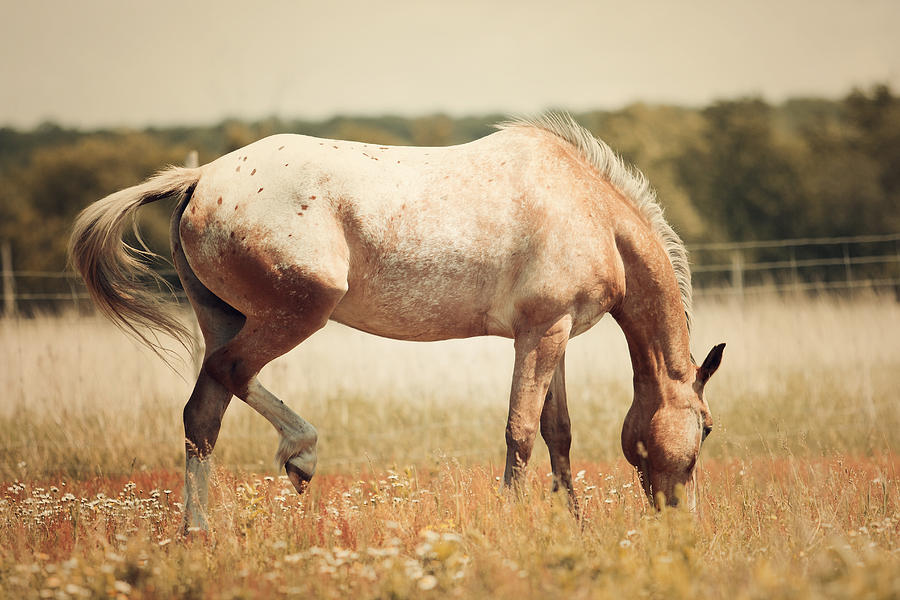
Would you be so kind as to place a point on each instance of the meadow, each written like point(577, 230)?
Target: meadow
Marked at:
point(799, 480)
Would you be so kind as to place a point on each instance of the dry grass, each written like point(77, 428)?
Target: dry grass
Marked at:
point(800, 477)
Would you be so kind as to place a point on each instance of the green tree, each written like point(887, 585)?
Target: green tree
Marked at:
point(874, 119)
point(43, 197)
point(744, 181)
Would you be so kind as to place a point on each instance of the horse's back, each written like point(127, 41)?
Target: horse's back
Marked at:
point(429, 243)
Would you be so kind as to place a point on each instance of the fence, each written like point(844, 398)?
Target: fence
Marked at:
point(813, 265)
point(796, 265)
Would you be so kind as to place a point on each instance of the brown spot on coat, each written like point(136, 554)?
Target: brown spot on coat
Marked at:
point(238, 169)
point(219, 200)
point(259, 190)
point(304, 206)
point(253, 172)
point(281, 147)
point(312, 197)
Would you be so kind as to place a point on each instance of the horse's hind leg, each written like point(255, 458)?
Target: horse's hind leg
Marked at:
point(202, 421)
point(557, 432)
point(262, 339)
point(236, 365)
point(204, 410)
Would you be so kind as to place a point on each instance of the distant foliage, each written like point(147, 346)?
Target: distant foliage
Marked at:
point(733, 171)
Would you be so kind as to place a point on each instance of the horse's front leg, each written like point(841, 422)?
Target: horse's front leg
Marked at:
point(557, 432)
point(538, 351)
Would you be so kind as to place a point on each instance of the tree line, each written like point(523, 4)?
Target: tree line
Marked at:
point(735, 170)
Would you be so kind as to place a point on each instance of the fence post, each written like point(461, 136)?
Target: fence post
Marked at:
point(847, 269)
point(192, 161)
point(9, 282)
point(737, 273)
point(795, 275)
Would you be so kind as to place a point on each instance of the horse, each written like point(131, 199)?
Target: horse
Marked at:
point(533, 233)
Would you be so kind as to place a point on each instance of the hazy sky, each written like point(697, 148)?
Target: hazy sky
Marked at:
point(119, 62)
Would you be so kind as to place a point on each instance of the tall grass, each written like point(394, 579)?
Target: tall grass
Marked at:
point(799, 480)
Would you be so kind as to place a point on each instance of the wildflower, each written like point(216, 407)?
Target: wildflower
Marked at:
point(121, 587)
point(428, 582)
point(76, 590)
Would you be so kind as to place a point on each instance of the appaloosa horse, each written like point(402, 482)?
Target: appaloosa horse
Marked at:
point(531, 233)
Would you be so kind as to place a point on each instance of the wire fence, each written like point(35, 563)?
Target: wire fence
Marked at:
point(737, 270)
point(797, 265)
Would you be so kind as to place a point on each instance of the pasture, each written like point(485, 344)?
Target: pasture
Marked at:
point(799, 480)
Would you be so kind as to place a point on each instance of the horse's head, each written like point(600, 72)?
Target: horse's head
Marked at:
point(662, 436)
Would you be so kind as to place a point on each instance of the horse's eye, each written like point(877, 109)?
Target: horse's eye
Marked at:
point(707, 429)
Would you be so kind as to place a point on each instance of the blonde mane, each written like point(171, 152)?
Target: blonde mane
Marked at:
point(629, 181)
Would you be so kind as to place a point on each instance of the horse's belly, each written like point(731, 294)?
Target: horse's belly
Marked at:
point(418, 303)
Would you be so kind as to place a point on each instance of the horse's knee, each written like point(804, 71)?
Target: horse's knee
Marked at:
point(520, 441)
point(558, 438)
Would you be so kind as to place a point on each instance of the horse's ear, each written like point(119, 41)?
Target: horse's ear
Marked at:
point(710, 364)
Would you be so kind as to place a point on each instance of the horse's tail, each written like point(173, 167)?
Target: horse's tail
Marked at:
point(113, 270)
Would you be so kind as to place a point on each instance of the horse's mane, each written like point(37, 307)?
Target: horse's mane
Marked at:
point(629, 181)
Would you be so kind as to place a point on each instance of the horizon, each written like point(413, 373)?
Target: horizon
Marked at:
point(288, 119)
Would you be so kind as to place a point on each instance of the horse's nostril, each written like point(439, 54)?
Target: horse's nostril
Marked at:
point(707, 429)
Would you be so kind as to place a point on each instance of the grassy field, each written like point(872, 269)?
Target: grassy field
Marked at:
point(799, 481)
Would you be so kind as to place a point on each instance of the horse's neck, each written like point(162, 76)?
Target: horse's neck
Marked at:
point(651, 314)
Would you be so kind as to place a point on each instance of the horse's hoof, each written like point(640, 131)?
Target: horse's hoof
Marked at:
point(299, 477)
